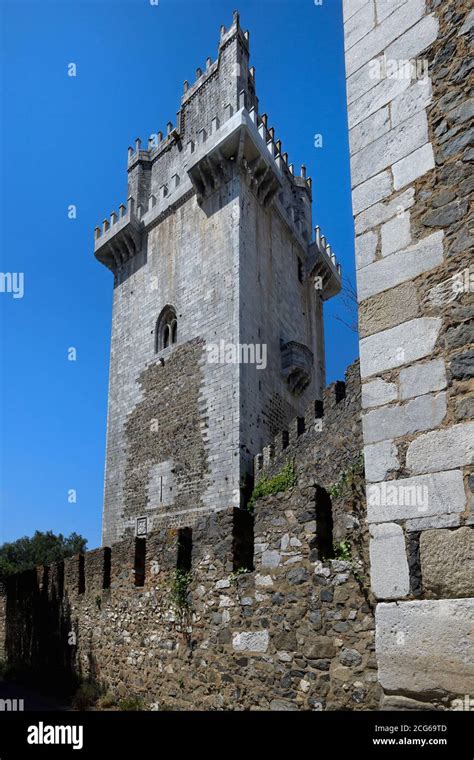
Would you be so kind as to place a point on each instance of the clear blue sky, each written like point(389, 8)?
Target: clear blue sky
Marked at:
point(64, 141)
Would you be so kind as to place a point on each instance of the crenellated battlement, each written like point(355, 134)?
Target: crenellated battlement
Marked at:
point(321, 426)
point(218, 131)
point(244, 139)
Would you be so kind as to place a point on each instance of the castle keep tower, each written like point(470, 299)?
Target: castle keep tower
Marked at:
point(217, 327)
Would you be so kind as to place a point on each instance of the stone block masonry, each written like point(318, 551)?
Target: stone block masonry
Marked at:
point(270, 618)
point(410, 119)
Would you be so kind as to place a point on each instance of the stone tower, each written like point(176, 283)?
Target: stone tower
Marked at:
point(217, 327)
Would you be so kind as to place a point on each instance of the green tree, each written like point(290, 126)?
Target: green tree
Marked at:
point(41, 549)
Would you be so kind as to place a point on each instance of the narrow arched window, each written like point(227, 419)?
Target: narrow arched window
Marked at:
point(166, 332)
point(174, 331)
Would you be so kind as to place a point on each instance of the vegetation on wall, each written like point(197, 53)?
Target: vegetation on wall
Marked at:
point(179, 589)
point(347, 478)
point(283, 481)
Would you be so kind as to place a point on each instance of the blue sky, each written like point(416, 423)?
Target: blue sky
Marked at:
point(64, 141)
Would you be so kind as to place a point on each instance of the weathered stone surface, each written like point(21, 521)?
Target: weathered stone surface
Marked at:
point(462, 366)
point(386, 7)
point(352, 7)
point(350, 657)
point(365, 246)
point(375, 94)
point(380, 212)
point(438, 170)
point(443, 197)
point(468, 24)
point(359, 24)
point(388, 562)
point(434, 521)
point(380, 459)
point(401, 266)
point(400, 345)
point(405, 703)
point(438, 493)
point(413, 99)
point(442, 449)
point(319, 647)
point(396, 234)
point(426, 646)
point(447, 562)
point(421, 413)
point(250, 641)
point(271, 559)
point(451, 147)
point(388, 309)
point(282, 705)
point(390, 148)
point(370, 129)
point(368, 193)
point(465, 409)
point(377, 393)
point(413, 166)
point(444, 216)
point(422, 378)
point(460, 335)
point(383, 34)
point(416, 39)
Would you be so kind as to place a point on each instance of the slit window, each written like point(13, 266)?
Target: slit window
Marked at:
point(300, 269)
point(242, 540)
point(185, 550)
point(107, 566)
point(82, 574)
point(139, 565)
point(324, 525)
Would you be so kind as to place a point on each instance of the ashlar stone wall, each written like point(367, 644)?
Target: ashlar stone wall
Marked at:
point(410, 113)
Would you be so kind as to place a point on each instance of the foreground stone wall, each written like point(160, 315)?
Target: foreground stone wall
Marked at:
point(272, 621)
point(410, 120)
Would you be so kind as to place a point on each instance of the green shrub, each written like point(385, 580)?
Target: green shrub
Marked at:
point(347, 478)
point(233, 577)
point(283, 481)
point(342, 550)
point(179, 588)
point(131, 704)
point(105, 701)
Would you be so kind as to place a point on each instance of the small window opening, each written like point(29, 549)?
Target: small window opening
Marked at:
point(139, 565)
point(185, 549)
point(300, 269)
point(242, 540)
point(107, 566)
point(82, 574)
point(340, 390)
point(166, 330)
point(324, 525)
